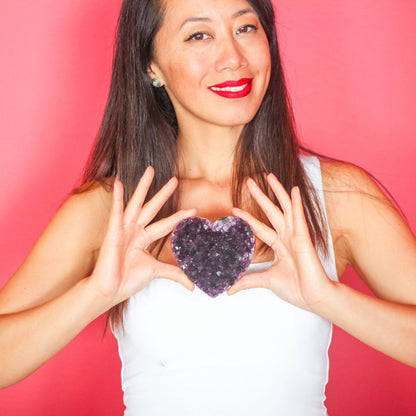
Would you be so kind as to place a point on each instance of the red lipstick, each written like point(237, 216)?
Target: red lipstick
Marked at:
point(233, 89)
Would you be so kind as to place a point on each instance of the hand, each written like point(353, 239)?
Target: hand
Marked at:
point(124, 266)
point(296, 274)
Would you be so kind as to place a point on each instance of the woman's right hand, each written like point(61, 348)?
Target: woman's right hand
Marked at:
point(61, 301)
point(124, 266)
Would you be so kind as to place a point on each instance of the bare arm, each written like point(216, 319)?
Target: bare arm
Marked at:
point(30, 337)
point(43, 306)
point(371, 236)
point(43, 322)
point(375, 240)
point(64, 254)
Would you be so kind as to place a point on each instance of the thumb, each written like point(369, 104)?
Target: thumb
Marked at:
point(168, 271)
point(249, 281)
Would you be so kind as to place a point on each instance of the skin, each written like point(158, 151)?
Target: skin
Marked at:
point(104, 260)
point(226, 46)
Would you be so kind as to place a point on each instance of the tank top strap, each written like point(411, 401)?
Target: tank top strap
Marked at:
point(312, 167)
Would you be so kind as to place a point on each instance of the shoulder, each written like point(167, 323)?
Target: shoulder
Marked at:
point(79, 225)
point(352, 194)
point(370, 234)
point(77, 228)
point(86, 211)
point(339, 175)
point(349, 188)
point(65, 252)
point(94, 198)
point(343, 176)
point(359, 209)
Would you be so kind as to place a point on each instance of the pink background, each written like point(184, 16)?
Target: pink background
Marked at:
point(350, 66)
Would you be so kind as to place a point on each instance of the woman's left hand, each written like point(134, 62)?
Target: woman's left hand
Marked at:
point(296, 274)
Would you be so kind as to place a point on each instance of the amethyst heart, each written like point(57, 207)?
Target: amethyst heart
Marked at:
point(213, 255)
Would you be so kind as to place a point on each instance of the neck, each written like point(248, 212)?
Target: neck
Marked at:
point(207, 152)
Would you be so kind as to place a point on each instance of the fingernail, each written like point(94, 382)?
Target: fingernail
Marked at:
point(271, 176)
point(251, 182)
point(173, 179)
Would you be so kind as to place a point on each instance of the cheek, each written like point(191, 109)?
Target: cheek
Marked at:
point(186, 73)
point(261, 54)
point(264, 66)
point(263, 59)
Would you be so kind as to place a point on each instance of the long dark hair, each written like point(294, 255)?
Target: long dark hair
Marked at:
point(139, 126)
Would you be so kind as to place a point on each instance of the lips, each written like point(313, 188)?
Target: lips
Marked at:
point(233, 89)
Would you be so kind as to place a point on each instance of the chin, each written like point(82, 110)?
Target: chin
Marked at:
point(238, 119)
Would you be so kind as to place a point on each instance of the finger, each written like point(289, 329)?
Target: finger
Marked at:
point(152, 207)
point(117, 208)
point(135, 204)
point(283, 198)
point(273, 213)
point(168, 271)
point(261, 230)
point(249, 281)
point(299, 219)
point(166, 225)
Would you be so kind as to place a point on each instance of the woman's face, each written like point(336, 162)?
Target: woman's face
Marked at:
point(213, 58)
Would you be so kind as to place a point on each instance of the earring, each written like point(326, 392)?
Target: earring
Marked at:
point(156, 82)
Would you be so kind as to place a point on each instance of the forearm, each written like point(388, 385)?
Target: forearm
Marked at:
point(29, 338)
point(386, 326)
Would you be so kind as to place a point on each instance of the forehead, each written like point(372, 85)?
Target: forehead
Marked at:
point(178, 11)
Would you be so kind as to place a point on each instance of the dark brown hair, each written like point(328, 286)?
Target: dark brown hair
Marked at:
point(139, 127)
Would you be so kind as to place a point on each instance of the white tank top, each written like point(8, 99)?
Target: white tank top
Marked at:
point(249, 354)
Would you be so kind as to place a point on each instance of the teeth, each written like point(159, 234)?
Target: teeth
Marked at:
point(230, 89)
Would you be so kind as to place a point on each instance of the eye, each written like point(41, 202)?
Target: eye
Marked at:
point(246, 29)
point(198, 36)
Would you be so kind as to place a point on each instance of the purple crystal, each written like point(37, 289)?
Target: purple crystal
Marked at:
point(213, 255)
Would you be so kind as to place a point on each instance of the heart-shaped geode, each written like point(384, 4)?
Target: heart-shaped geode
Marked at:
point(213, 255)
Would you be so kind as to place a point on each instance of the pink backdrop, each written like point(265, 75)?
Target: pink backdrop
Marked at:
point(350, 66)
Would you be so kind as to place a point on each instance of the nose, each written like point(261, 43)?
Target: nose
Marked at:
point(230, 55)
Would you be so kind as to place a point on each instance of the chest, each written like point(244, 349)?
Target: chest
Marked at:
point(178, 342)
point(212, 204)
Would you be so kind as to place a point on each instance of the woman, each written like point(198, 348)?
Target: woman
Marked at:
point(231, 121)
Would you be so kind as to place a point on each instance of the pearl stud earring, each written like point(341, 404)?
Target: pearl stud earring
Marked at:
point(156, 82)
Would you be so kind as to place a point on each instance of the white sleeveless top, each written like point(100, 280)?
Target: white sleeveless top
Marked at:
point(249, 354)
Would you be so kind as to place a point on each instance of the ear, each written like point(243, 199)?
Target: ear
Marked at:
point(154, 72)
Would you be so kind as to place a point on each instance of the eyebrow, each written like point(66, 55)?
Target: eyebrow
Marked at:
point(207, 19)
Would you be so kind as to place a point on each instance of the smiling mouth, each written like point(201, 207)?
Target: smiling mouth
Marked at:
point(233, 89)
point(230, 89)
